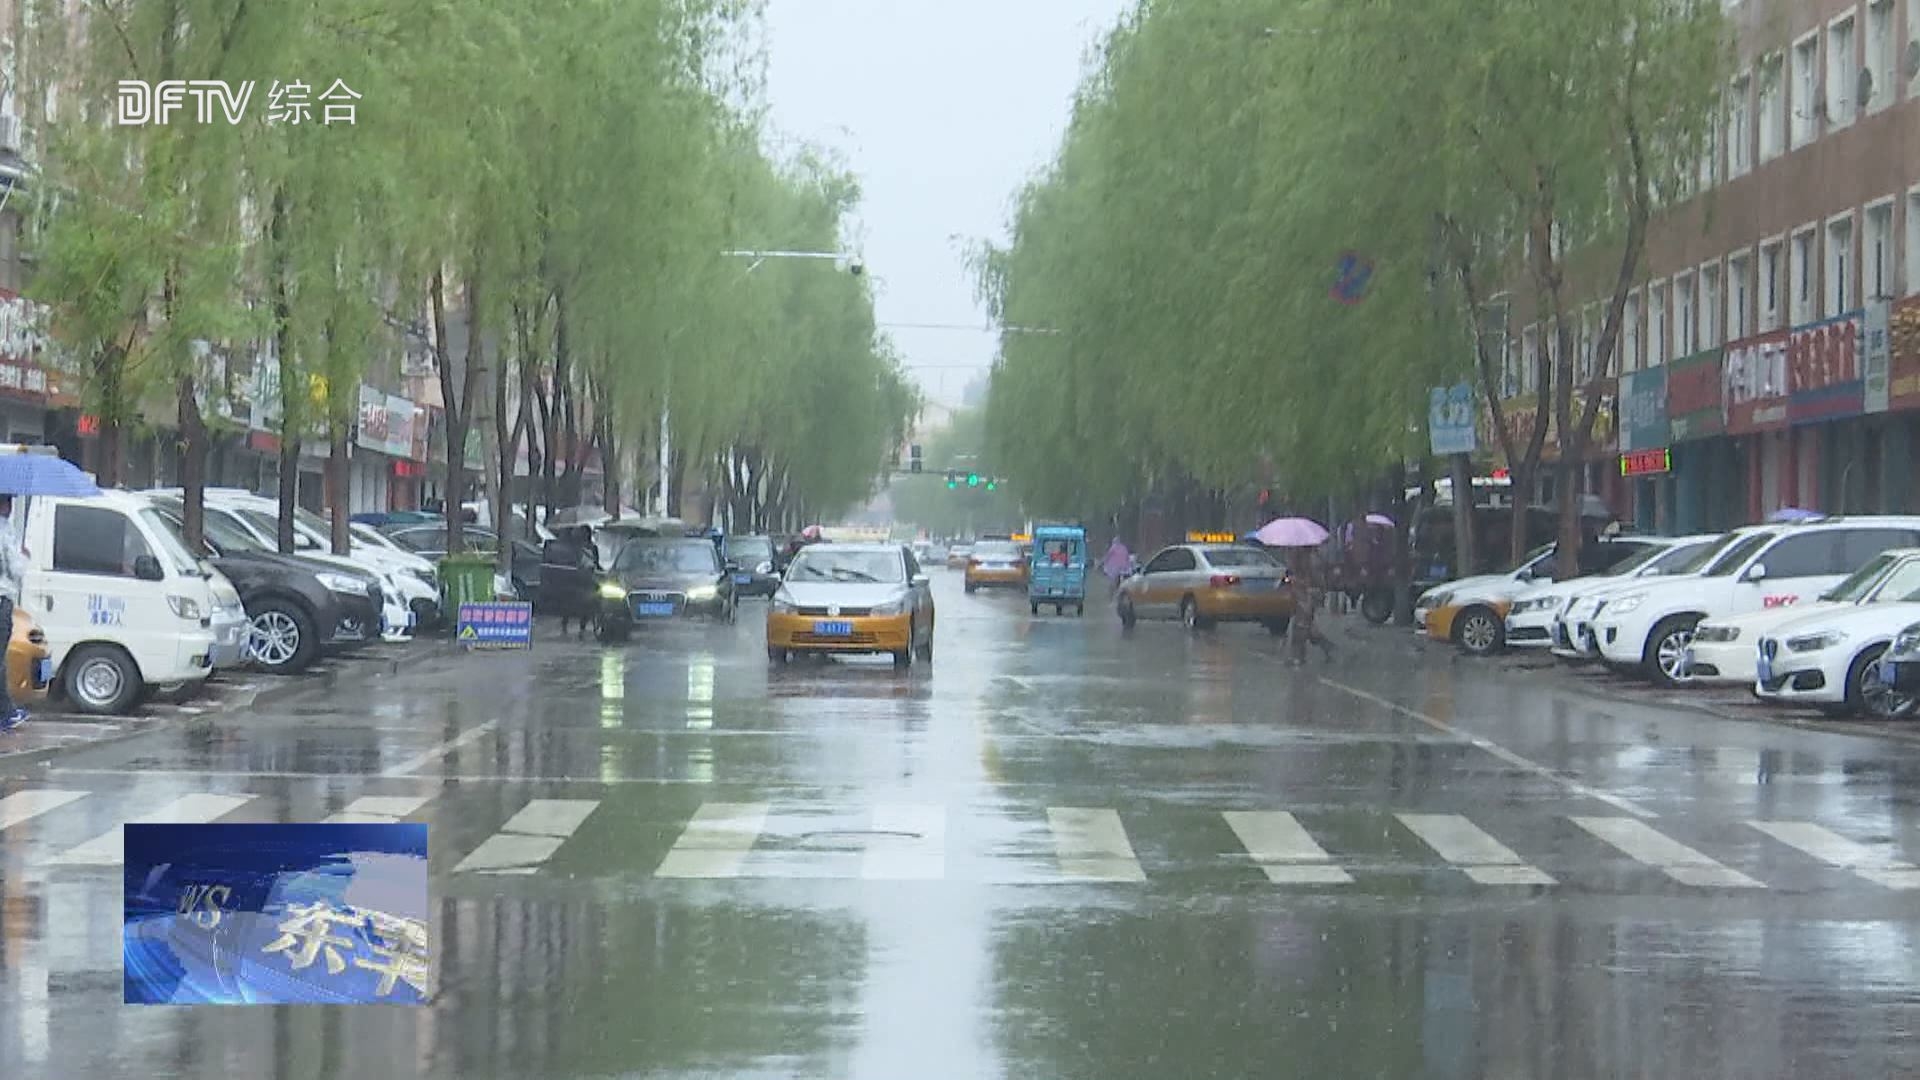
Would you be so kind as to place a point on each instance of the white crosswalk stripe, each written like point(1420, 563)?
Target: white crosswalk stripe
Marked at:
point(1091, 845)
point(529, 838)
point(1643, 843)
point(27, 805)
point(1462, 843)
point(376, 810)
point(1876, 864)
point(1283, 849)
point(716, 843)
point(109, 848)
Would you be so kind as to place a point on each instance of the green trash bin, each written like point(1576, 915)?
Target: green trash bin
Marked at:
point(464, 579)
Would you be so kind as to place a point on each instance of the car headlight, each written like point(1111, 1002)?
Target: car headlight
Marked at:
point(1711, 634)
point(895, 606)
point(1540, 603)
point(342, 583)
point(783, 604)
point(1627, 603)
point(1434, 600)
point(184, 606)
point(764, 568)
point(1906, 642)
point(612, 590)
point(1814, 642)
point(703, 592)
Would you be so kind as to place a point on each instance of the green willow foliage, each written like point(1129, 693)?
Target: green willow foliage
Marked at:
point(1220, 162)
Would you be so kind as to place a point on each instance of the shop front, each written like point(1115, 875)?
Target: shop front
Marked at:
point(1755, 392)
point(1646, 465)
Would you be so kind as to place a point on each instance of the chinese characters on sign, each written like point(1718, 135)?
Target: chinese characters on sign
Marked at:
point(399, 944)
point(498, 624)
point(1823, 369)
point(1755, 383)
point(1450, 419)
point(1645, 462)
point(137, 102)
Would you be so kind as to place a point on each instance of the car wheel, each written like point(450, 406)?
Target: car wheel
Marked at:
point(1665, 648)
point(1127, 616)
point(1376, 606)
point(1278, 627)
point(904, 657)
point(1868, 695)
point(282, 638)
point(103, 680)
point(1190, 615)
point(1479, 632)
point(776, 655)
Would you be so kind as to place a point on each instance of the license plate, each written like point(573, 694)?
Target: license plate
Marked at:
point(743, 579)
point(654, 607)
point(833, 629)
point(42, 672)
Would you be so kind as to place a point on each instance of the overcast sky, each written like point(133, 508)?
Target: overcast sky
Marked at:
point(942, 108)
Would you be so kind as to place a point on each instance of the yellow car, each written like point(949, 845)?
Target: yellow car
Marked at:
point(29, 663)
point(1478, 624)
point(996, 564)
point(1204, 584)
point(852, 598)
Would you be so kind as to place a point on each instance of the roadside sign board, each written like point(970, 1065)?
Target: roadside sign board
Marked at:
point(495, 624)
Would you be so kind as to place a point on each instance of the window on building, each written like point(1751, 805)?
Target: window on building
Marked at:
point(1841, 293)
point(1772, 101)
point(1806, 83)
point(1913, 238)
point(1913, 42)
point(1529, 357)
point(1656, 324)
point(1709, 166)
point(1876, 253)
point(1739, 126)
point(1686, 317)
point(1843, 73)
point(1772, 285)
point(1802, 270)
point(1709, 307)
point(1587, 336)
point(1739, 297)
point(1882, 90)
point(1631, 336)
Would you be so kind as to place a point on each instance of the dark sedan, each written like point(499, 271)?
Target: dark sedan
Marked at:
point(658, 578)
point(753, 556)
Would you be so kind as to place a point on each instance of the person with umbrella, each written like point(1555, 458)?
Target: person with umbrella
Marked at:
point(1116, 563)
point(1300, 536)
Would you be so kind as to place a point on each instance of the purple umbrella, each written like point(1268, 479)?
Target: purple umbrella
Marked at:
point(1794, 513)
point(1292, 532)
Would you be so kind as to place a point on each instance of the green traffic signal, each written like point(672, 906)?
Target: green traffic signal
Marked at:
point(973, 479)
point(989, 484)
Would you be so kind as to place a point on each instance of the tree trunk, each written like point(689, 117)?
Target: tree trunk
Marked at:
point(457, 396)
point(609, 464)
point(1466, 553)
point(339, 485)
point(291, 403)
point(193, 465)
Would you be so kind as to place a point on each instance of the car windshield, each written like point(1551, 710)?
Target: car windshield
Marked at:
point(1854, 588)
point(1736, 556)
point(750, 549)
point(668, 557)
point(1633, 562)
point(266, 525)
point(1528, 559)
point(1239, 556)
point(814, 564)
point(227, 534)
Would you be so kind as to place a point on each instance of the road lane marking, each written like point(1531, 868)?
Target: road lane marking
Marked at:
point(716, 841)
point(441, 750)
point(376, 810)
point(1642, 843)
point(910, 843)
point(1501, 752)
point(1283, 849)
point(529, 838)
point(1092, 845)
point(109, 848)
point(1876, 864)
point(1462, 843)
point(26, 805)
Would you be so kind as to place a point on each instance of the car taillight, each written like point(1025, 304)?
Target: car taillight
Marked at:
point(1224, 581)
point(973, 562)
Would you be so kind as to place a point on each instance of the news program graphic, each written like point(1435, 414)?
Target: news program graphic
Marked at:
point(276, 915)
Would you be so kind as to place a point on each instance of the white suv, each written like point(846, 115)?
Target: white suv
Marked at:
point(1765, 566)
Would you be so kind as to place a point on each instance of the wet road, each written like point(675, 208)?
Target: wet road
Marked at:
point(1054, 852)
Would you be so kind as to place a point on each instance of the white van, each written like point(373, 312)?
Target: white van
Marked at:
point(125, 608)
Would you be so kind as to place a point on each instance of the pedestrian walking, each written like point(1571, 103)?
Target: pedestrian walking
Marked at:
point(11, 565)
point(1307, 596)
point(574, 588)
point(1116, 564)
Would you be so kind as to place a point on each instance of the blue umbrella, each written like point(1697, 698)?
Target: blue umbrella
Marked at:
point(1794, 513)
point(27, 473)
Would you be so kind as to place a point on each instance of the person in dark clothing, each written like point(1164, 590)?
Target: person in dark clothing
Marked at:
point(570, 565)
point(1307, 594)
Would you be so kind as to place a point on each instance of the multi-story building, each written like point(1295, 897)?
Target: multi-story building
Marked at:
point(1771, 352)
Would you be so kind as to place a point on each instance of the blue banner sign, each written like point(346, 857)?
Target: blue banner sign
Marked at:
point(248, 914)
point(496, 624)
point(1450, 416)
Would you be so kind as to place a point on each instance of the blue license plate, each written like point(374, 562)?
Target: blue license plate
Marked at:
point(42, 672)
point(833, 629)
point(653, 608)
point(743, 579)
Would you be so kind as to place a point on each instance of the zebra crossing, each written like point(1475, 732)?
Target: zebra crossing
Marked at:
point(900, 841)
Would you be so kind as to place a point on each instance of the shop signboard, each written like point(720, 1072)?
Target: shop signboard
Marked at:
point(1876, 359)
point(1646, 462)
point(1823, 369)
point(1695, 397)
point(1643, 404)
point(1754, 383)
point(386, 423)
point(1450, 419)
point(1903, 354)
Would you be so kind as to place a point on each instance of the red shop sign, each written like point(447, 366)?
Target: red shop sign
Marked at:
point(1646, 462)
point(409, 470)
point(1755, 380)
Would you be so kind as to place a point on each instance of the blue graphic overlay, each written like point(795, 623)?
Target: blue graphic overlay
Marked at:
point(496, 624)
point(276, 915)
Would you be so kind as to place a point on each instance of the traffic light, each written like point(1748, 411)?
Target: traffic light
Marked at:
point(913, 458)
point(952, 481)
point(990, 483)
point(973, 479)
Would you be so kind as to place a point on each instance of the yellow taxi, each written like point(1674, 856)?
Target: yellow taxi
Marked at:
point(29, 662)
point(996, 564)
point(852, 598)
point(1477, 624)
point(1204, 584)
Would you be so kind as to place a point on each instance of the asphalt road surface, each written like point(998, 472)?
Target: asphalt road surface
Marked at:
point(1056, 851)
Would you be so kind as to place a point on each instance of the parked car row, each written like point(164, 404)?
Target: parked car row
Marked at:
point(1823, 612)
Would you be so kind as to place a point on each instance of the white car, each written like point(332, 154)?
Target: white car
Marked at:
point(1535, 566)
point(1573, 624)
point(1724, 651)
point(1831, 659)
point(1472, 612)
point(1650, 625)
point(1530, 620)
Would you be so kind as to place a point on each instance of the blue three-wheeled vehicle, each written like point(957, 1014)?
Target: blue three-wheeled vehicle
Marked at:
point(1058, 573)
